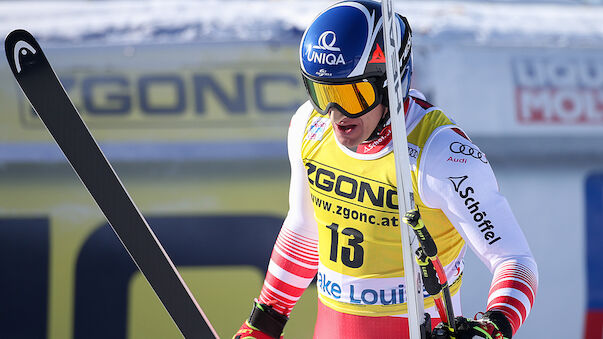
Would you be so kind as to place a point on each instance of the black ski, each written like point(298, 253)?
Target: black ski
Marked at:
point(46, 94)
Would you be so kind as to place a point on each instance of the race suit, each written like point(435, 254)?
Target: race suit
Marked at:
point(343, 225)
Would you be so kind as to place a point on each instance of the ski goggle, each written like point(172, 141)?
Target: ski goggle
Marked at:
point(352, 99)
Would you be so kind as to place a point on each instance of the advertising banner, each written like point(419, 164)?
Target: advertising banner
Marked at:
point(495, 91)
point(66, 275)
point(179, 101)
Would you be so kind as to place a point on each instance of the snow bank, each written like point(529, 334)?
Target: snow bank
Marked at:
point(132, 22)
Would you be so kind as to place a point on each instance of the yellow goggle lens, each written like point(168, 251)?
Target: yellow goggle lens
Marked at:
point(353, 98)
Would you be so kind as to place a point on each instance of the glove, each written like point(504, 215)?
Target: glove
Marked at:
point(263, 323)
point(493, 325)
point(249, 332)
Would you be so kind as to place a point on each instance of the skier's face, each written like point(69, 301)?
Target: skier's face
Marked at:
point(350, 132)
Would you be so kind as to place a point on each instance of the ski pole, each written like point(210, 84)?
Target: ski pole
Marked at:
point(432, 270)
point(392, 37)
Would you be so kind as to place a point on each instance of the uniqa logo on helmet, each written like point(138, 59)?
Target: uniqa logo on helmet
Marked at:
point(338, 42)
point(325, 51)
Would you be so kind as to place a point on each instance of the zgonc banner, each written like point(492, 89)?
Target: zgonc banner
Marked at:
point(172, 96)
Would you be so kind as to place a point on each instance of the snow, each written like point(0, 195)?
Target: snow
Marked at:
point(133, 22)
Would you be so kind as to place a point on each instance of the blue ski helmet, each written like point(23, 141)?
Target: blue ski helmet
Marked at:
point(344, 45)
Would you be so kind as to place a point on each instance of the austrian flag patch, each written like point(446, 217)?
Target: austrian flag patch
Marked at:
point(317, 128)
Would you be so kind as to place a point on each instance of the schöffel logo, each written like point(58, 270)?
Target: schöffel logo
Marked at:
point(457, 147)
point(478, 216)
point(325, 52)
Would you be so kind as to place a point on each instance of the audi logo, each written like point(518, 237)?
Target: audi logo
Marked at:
point(413, 153)
point(457, 147)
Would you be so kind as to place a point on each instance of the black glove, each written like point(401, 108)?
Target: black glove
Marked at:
point(263, 323)
point(493, 325)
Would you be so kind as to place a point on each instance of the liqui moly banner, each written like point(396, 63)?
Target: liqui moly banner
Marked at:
point(502, 91)
point(560, 90)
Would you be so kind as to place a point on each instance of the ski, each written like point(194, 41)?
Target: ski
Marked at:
point(47, 96)
point(414, 288)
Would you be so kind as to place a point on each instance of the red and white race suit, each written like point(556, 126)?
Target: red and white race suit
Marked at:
point(343, 225)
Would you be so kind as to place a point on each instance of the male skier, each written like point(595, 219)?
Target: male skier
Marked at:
point(343, 225)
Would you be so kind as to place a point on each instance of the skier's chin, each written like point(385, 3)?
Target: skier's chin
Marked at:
point(349, 140)
point(349, 132)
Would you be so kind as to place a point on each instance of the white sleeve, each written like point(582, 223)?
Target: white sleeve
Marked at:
point(456, 177)
point(300, 217)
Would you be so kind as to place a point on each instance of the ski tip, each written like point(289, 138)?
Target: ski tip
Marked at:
point(15, 36)
point(20, 32)
point(20, 46)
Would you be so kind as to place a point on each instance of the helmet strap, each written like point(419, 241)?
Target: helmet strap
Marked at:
point(385, 119)
point(380, 126)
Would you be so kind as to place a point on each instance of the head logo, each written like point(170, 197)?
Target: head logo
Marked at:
point(23, 48)
point(326, 43)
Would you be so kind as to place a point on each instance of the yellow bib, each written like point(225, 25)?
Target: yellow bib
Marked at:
point(356, 209)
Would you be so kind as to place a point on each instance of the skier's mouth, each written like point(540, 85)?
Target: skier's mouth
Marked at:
point(346, 128)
